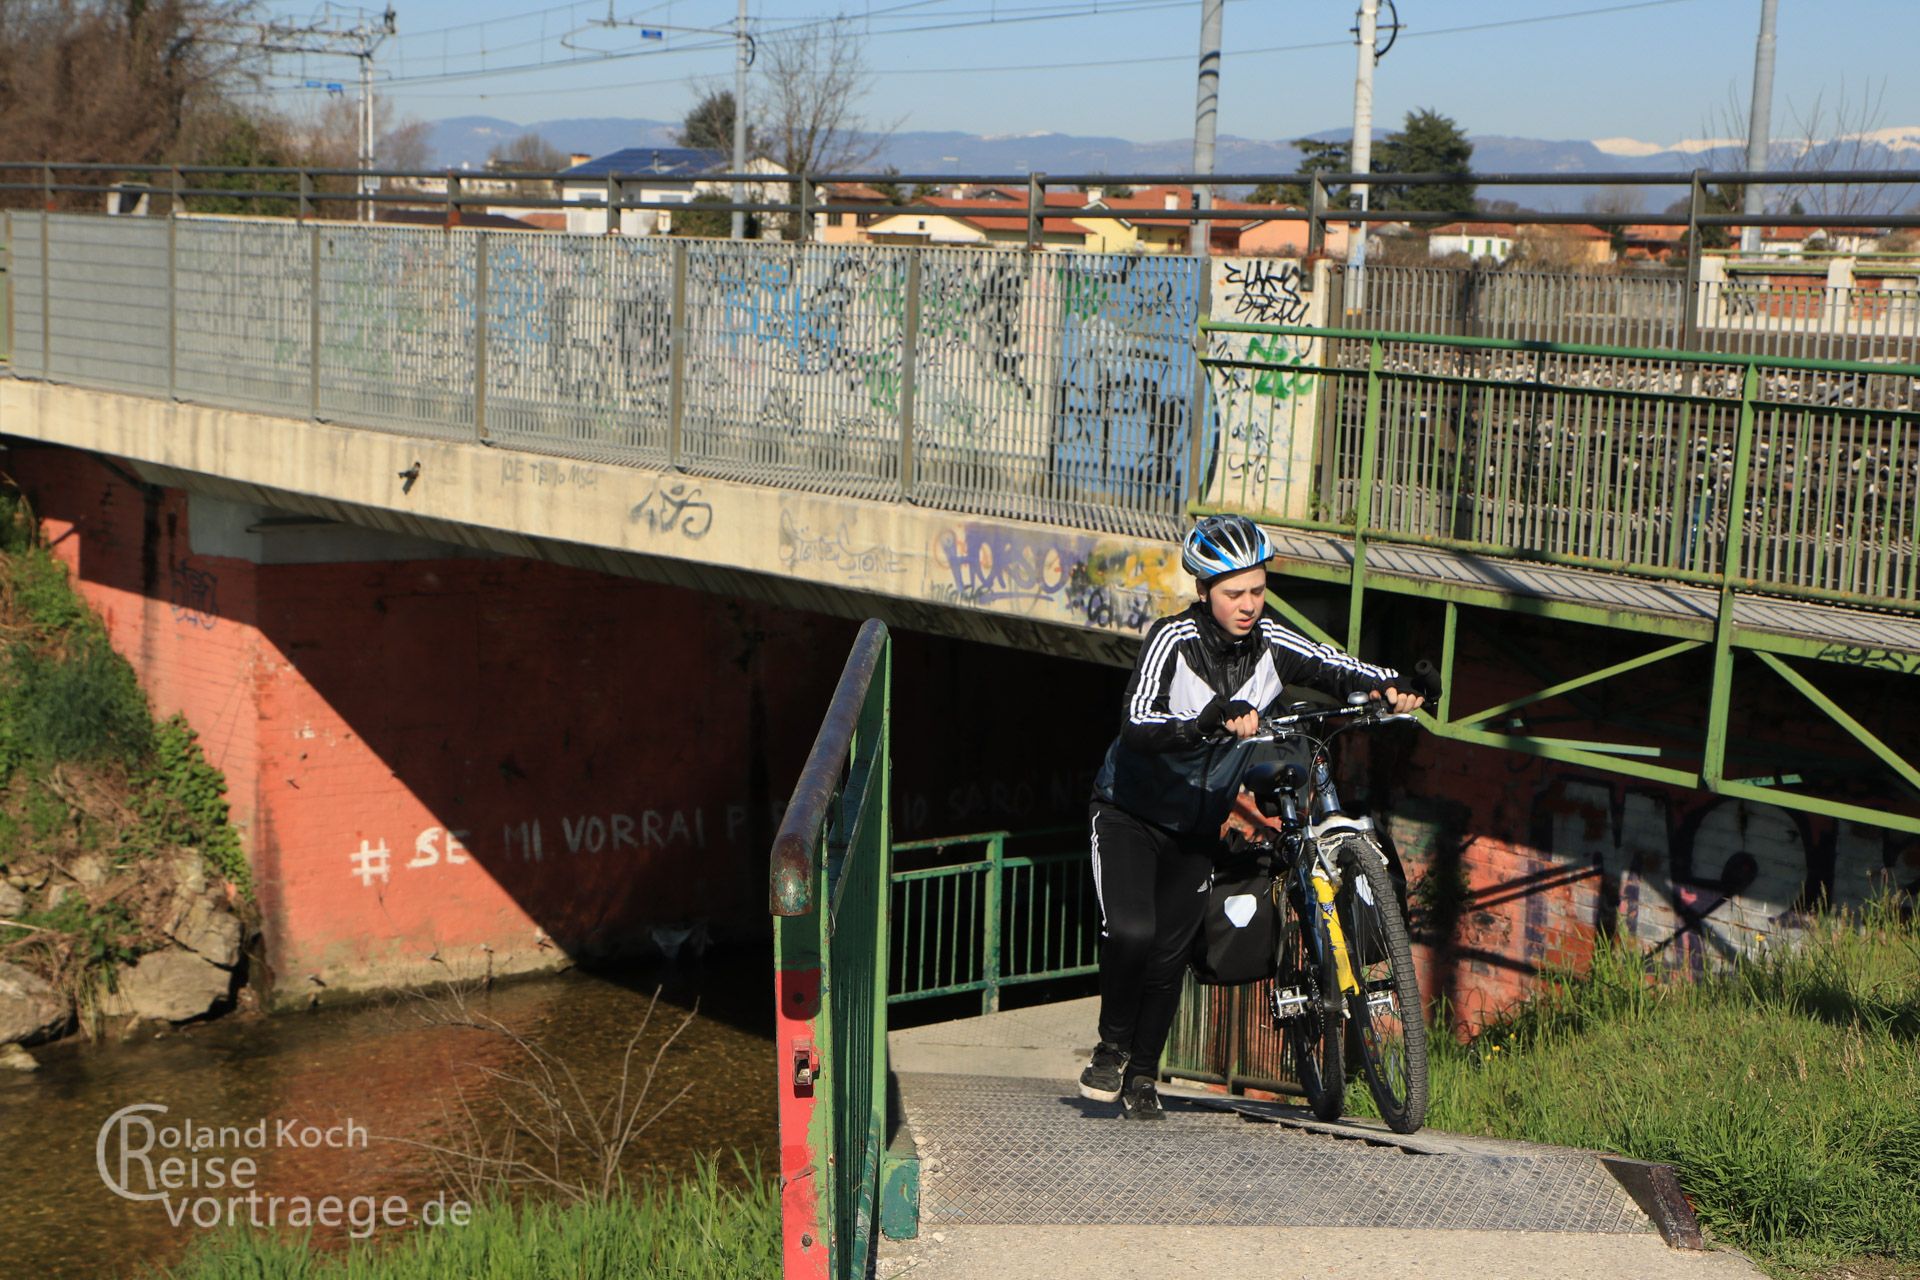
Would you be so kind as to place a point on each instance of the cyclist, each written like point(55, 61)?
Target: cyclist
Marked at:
point(1166, 786)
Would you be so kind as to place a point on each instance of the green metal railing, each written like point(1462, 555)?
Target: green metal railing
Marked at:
point(829, 885)
point(1748, 475)
point(991, 921)
point(1797, 477)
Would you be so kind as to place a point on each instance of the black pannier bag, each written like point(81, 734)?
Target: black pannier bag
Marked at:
point(1240, 935)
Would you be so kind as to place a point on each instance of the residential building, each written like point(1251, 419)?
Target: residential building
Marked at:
point(1643, 243)
point(985, 222)
point(849, 227)
point(1475, 239)
point(655, 174)
point(1796, 242)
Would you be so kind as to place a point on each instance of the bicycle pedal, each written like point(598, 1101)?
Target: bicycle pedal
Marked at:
point(1379, 1000)
point(1288, 1002)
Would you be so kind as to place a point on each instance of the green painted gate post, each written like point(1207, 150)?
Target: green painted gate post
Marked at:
point(1363, 495)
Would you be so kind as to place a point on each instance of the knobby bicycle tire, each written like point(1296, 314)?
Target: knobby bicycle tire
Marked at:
point(1391, 1036)
point(1316, 1037)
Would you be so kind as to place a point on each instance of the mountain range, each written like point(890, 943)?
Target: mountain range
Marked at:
point(466, 141)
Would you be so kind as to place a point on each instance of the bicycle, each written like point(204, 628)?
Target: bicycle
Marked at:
point(1345, 973)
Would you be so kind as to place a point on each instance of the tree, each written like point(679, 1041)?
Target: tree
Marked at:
point(709, 125)
point(1614, 202)
point(710, 215)
point(527, 153)
point(815, 80)
point(1427, 142)
point(130, 83)
point(1316, 156)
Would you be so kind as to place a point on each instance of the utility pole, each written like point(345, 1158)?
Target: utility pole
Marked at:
point(1759, 124)
point(330, 35)
point(1366, 34)
point(1206, 120)
point(740, 59)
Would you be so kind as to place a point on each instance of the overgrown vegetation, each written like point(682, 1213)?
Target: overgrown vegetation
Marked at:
point(1785, 1089)
point(703, 1228)
point(87, 777)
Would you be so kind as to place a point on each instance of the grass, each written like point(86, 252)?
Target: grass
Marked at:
point(84, 770)
point(1785, 1089)
point(702, 1228)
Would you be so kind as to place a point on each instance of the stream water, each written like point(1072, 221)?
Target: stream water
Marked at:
point(391, 1070)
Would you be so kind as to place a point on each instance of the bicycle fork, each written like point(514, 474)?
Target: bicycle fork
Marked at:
point(1292, 1001)
point(1336, 938)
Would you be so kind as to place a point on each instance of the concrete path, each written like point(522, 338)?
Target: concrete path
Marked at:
point(1022, 1178)
point(1293, 1253)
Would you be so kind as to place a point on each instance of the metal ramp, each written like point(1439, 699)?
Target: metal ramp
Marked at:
point(1025, 1149)
point(1020, 1151)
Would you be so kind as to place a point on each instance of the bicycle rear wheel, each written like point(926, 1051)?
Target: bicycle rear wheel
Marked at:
point(1316, 1036)
point(1386, 1015)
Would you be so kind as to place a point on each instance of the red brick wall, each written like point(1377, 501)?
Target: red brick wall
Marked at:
point(1554, 856)
point(486, 759)
point(468, 758)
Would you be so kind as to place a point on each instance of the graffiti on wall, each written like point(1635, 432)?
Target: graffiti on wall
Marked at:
point(1263, 414)
point(854, 559)
point(1695, 879)
point(1089, 581)
point(193, 595)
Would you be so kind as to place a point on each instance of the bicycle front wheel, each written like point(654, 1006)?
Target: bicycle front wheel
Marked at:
point(1385, 1013)
point(1316, 1035)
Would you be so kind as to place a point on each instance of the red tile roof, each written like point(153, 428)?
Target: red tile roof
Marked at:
point(994, 216)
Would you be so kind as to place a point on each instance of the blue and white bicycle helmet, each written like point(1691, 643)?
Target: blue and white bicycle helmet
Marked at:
point(1224, 544)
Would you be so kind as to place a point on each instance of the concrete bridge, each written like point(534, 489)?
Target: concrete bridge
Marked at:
point(360, 501)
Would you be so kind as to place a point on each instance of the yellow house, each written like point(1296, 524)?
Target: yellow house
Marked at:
point(975, 222)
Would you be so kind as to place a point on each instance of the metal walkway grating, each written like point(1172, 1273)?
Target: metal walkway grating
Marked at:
point(1006, 1151)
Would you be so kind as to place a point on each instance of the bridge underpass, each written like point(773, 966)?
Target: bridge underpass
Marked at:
point(1677, 812)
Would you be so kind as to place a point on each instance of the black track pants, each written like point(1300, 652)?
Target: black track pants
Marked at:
point(1152, 884)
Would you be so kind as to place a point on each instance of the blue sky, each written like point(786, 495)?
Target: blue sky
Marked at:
point(1659, 71)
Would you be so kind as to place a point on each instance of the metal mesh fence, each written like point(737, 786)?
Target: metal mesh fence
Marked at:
point(249, 348)
point(1056, 387)
point(107, 301)
point(1632, 461)
point(396, 328)
point(25, 271)
point(578, 353)
point(793, 366)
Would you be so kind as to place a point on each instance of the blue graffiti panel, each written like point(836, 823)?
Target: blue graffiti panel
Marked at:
point(1123, 420)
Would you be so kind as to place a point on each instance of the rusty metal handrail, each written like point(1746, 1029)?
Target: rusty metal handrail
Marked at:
point(791, 874)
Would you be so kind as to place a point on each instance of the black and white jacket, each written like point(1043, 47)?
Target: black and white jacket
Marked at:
point(1191, 678)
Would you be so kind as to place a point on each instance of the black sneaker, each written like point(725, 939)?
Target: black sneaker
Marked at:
point(1101, 1080)
point(1140, 1099)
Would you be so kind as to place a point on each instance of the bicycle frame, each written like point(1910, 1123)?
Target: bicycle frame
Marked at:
point(1299, 837)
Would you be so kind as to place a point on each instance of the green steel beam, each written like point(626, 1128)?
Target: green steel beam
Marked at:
point(1835, 712)
point(1449, 629)
point(1301, 622)
point(1747, 790)
point(1579, 682)
point(1896, 662)
point(1560, 750)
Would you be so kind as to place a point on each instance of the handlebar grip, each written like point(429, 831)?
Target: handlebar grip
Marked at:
point(1426, 680)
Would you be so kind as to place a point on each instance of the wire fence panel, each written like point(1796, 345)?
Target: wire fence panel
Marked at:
point(396, 328)
point(243, 313)
point(25, 272)
point(578, 350)
point(1056, 387)
point(108, 301)
point(793, 367)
